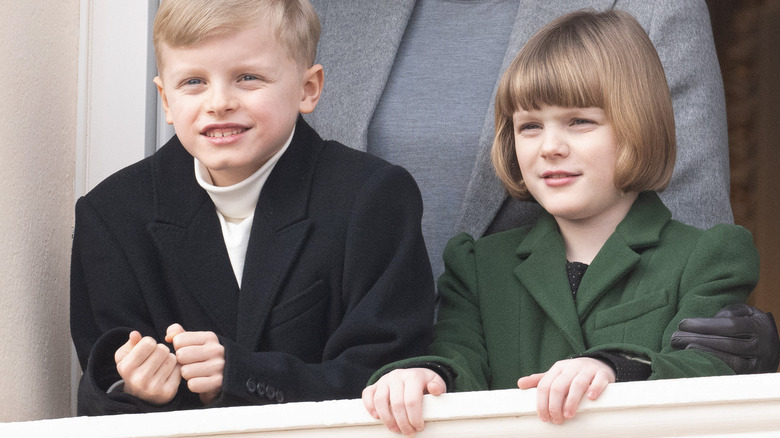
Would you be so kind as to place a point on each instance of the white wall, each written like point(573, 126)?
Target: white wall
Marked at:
point(38, 92)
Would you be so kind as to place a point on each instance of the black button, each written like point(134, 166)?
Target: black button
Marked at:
point(279, 396)
point(270, 392)
point(261, 389)
point(251, 386)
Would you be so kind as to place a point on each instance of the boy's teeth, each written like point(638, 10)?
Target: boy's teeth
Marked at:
point(223, 133)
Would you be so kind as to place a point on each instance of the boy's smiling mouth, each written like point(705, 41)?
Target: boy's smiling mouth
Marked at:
point(223, 132)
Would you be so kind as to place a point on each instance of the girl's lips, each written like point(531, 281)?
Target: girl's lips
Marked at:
point(558, 179)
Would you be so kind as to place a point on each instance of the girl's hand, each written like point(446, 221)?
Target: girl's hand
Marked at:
point(202, 360)
point(149, 369)
point(396, 398)
point(560, 389)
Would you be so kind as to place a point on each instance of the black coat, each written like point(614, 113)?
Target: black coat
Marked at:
point(336, 281)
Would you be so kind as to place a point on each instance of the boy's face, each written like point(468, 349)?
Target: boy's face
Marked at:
point(233, 100)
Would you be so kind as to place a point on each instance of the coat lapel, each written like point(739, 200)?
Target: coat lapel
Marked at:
point(640, 229)
point(355, 80)
point(188, 236)
point(542, 271)
point(278, 233)
point(485, 194)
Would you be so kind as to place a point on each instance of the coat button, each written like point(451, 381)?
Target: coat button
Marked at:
point(261, 388)
point(251, 386)
point(280, 396)
point(270, 392)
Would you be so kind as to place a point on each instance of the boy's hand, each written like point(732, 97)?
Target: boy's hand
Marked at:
point(149, 369)
point(396, 398)
point(560, 390)
point(202, 360)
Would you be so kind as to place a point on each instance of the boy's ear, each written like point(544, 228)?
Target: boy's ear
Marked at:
point(312, 88)
point(163, 99)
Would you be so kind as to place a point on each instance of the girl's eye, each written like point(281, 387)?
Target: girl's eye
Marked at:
point(248, 78)
point(581, 121)
point(529, 126)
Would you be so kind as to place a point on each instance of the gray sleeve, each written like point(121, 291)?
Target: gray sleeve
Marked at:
point(699, 192)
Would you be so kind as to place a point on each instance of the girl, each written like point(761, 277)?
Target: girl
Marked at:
point(592, 292)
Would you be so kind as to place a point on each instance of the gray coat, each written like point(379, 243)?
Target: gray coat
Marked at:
point(358, 46)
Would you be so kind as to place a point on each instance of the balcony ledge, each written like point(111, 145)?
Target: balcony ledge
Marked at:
point(732, 406)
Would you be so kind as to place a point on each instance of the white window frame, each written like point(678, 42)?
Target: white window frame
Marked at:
point(118, 108)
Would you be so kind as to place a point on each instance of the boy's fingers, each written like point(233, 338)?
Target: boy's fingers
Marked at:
point(189, 338)
point(172, 331)
point(208, 368)
point(205, 384)
point(189, 353)
point(134, 337)
point(122, 351)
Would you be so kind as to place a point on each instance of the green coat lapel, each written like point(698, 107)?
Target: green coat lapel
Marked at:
point(640, 229)
point(542, 271)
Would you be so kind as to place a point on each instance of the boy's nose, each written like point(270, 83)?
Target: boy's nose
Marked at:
point(220, 101)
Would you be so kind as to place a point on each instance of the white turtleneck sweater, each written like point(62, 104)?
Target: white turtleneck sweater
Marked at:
point(236, 207)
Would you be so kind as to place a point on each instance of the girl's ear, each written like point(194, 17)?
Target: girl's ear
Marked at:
point(163, 99)
point(312, 88)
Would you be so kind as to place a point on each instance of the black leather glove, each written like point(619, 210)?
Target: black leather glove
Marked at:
point(742, 336)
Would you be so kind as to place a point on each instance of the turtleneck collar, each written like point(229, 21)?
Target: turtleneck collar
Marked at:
point(238, 202)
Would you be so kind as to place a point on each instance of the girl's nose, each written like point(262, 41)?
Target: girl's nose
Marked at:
point(554, 145)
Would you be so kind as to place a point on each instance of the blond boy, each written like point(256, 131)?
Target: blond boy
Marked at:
point(247, 261)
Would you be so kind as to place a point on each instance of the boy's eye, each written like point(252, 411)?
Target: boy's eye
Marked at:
point(193, 81)
point(249, 78)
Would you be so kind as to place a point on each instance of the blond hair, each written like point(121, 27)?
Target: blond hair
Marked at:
point(592, 59)
point(182, 23)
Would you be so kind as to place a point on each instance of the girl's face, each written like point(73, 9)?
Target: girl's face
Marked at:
point(567, 157)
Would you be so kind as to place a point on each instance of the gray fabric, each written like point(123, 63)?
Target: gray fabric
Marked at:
point(449, 57)
point(360, 40)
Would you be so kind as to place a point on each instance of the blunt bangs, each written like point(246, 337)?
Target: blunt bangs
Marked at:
point(559, 71)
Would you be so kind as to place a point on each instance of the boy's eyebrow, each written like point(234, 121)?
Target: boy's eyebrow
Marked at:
point(257, 67)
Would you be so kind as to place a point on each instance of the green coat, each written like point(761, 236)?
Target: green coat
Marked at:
point(507, 309)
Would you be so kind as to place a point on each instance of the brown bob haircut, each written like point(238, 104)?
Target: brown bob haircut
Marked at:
point(592, 59)
point(182, 23)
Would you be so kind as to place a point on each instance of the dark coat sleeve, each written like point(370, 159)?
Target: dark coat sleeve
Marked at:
point(107, 303)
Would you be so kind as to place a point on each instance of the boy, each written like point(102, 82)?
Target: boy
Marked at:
point(278, 266)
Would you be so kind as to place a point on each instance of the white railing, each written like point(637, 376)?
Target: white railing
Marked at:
point(735, 406)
